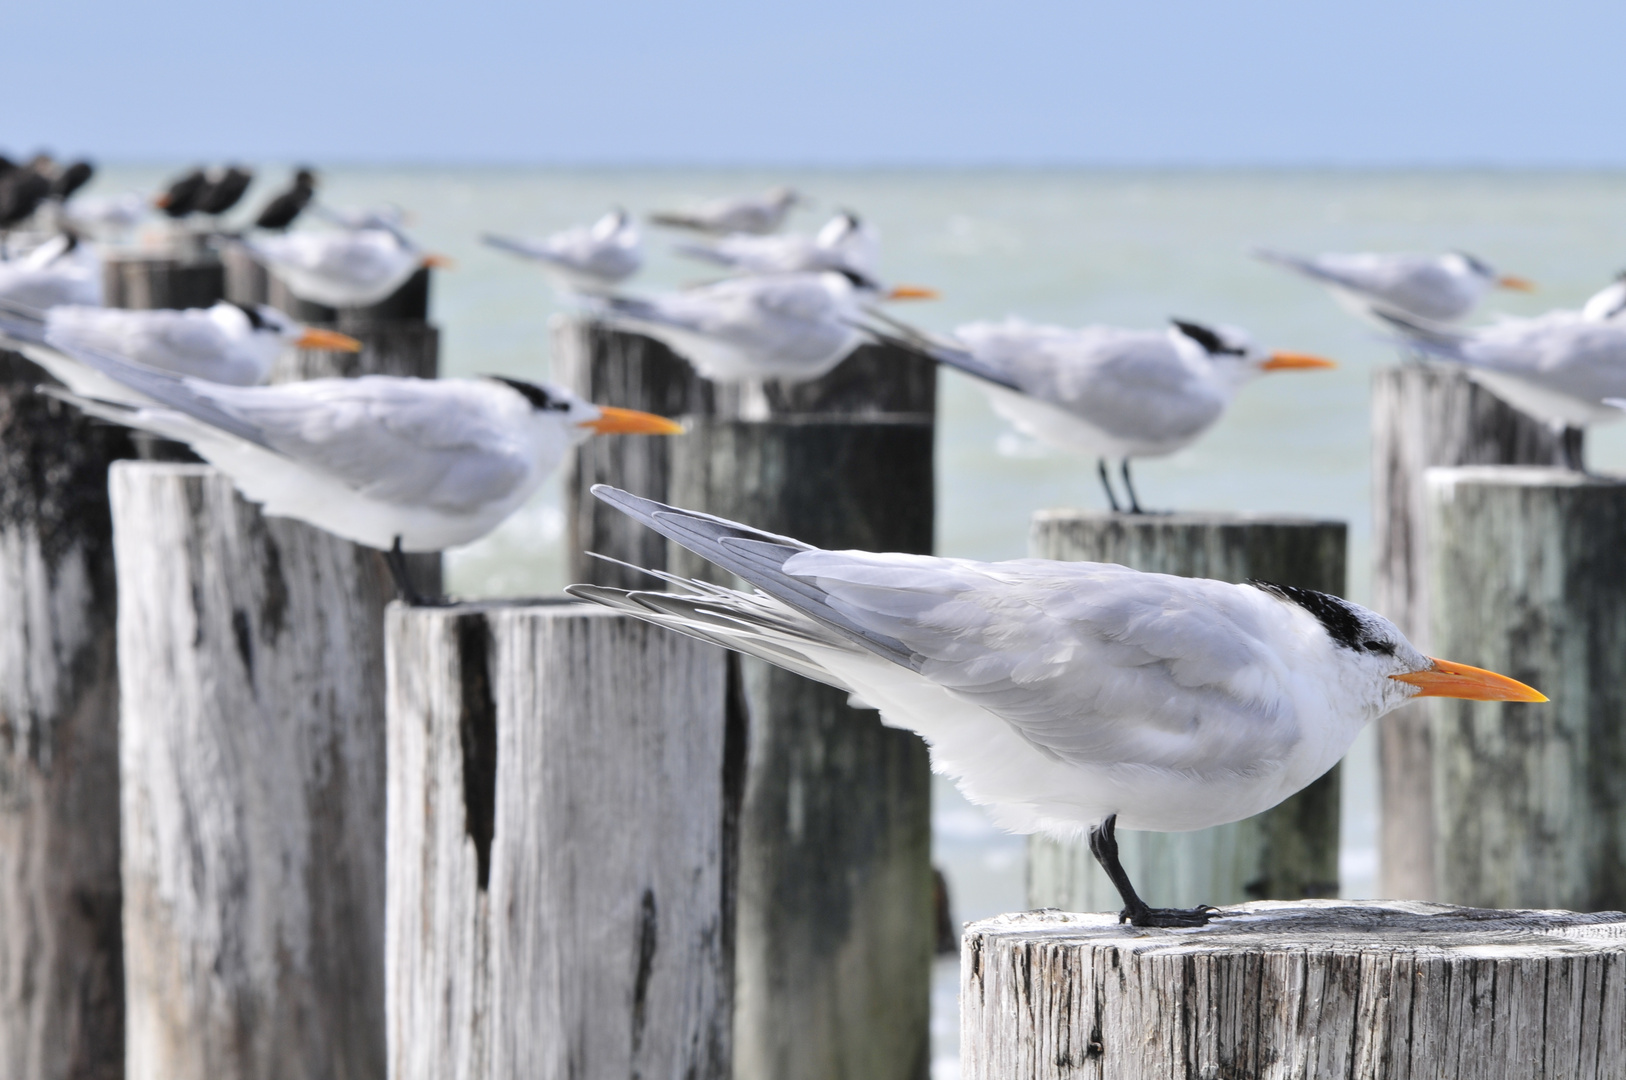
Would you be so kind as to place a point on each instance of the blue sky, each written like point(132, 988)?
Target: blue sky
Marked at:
point(843, 83)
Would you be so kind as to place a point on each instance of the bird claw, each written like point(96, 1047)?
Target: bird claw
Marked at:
point(1169, 917)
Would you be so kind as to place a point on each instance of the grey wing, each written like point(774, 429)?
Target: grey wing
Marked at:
point(410, 441)
point(1128, 383)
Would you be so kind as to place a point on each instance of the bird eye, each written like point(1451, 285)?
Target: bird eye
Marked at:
point(1374, 646)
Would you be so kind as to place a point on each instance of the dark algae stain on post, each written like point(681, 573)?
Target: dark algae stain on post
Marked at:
point(477, 730)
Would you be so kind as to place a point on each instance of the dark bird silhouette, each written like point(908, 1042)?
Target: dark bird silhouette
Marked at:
point(182, 195)
point(281, 211)
point(21, 192)
point(71, 179)
point(224, 190)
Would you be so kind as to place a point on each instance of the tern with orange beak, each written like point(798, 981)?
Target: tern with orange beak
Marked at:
point(228, 343)
point(1105, 391)
point(1067, 698)
point(342, 269)
point(397, 464)
point(1437, 288)
point(791, 327)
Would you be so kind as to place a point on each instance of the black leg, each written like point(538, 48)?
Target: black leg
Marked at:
point(1569, 441)
point(1134, 503)
point(1112, 498)
point(1104, 846)
point(396, 560)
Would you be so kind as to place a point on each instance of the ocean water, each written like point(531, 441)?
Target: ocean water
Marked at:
point(1070, 247)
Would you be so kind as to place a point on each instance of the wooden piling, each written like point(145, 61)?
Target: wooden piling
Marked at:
point(1525, 577)
point(835, 889)
point(1426, 415)
point(251, 753)
point(61, 957)
point(144, 281)
point(246, 281)
point(1287, 853)
point(614, 367)
point(1328, 990)
point(561, 825)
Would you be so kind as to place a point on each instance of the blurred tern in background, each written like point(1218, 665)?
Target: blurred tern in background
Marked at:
point(845, 243)
point(1608, 302)
point(104, 215)
point(396, 464)
point(1067, 698)
point(341, 269)
point(228, 343)
point(1104, 391)
point(1559, 367)
point(759, 215)
point(1435, 288)
point(587, 259)
point(63, 270)
point(792, 327)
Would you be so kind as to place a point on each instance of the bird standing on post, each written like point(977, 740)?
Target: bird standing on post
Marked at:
point(1437, 288)
point(792, 327)
point(289, 203)
point(1104, 391)
point(180, 198)
point(396, 464)
point(224, 190)
point(63, 270)
point(587, 259)
point(1068, 698)
point(351, 268)
point(756, 214)
point(844, 243)
point(233, 344)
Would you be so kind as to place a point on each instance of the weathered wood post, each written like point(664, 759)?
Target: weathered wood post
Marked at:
point(1426, 415)
point(835, 890)
point(246, 281)
point(1328, 990)
point(1525, 575)
point(143, 280)
point(251, 752)
point(1287, 853)
point(61, 957)
point(562, 807)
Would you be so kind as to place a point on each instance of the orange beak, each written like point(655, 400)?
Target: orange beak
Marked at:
point(1292, 361)
point(1517, 284)
point(613, 421)
point(317, 338)
point(438, 262)
point(1445, 679)
point(911, 292)
point(161, 201)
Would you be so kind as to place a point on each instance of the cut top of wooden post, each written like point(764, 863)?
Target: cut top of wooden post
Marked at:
point(1314, 988)
point(1304, 552)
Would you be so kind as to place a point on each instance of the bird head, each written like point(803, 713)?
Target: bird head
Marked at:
point(1233, 354)
point(563, 417)
point(1474, 266)
point(1372, 662)
point(267, 320)
point(786, 196)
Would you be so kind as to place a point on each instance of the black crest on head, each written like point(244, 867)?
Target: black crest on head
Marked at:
point(1478, 265)
point(538, 396)
point(858, 280)
point(1335, 615)
point(255, 319)
point(1211, 342)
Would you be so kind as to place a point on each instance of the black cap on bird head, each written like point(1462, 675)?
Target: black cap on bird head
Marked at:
point(539, 396)
point(1212, 343)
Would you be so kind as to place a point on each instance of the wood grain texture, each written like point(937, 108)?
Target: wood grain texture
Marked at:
point(246, 281)
point(61, 973)
point(835, 889)
point(1426, 415)
point(1525, 577)
point(252, 758)
point(148, 281)
point(1287, 853)
point(614, 367)
point(560, 837)
point(1313, 990)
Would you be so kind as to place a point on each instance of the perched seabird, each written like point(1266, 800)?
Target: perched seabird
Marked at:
point(396, 464)
point(180, 198)
point(1105, 391)
point(758, 214)
point(1437, 288)
point(224, 190)
point(1066, 697)
point(342, 269)
point(288, 204)
point(71, 179)
point(63, 270)
point(587, 259)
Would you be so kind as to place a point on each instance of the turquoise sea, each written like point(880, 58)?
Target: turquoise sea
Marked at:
point(1071, 247)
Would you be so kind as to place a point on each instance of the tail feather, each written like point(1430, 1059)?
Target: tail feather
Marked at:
point(1296, 263)
point(1417, 334)
point(517, 247)
point(678, 221)
point(705, 253)
point(919, 343)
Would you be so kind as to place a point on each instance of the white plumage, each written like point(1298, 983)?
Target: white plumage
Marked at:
point(844, 243)
point(63, 270)
point(1438, 288)
point(1065, 697)
point(351, 268)
point(585, 259)
point(758, 214)
point(1608, 302)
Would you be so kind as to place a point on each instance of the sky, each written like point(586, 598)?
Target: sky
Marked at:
point(843, 83)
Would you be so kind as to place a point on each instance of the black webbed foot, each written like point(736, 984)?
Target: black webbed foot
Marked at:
point(1169, 918)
